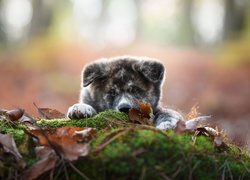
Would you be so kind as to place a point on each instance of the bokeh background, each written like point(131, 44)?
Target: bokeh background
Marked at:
point(204, 44)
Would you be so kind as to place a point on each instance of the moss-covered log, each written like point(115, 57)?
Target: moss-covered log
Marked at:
point(123, 150)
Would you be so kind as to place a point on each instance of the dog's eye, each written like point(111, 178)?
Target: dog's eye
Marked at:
point(112, 92)
point(134, 89)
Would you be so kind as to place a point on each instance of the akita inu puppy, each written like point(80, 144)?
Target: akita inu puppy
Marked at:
point(119, 83)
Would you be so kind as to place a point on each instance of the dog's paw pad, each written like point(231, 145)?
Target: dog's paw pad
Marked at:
point(79, 111)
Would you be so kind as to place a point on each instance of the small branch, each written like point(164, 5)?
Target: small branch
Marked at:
point(78, 171)
point(117, 134)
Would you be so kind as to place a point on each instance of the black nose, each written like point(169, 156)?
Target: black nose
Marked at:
point(124, 108)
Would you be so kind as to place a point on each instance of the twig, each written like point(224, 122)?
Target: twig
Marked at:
point(176, 172)
point(192, 169)
point(143, 172)
point(142, 126)
point(65, 170)
point(40, 112)
point(164, 176)
point(117, 134)
point(78, 171)
point(51, 174)
point(59, 169)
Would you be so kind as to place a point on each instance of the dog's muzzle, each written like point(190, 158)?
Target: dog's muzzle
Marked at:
point(124, 107)
point(124, 104)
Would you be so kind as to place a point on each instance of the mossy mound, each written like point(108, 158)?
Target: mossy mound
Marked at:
point(98, 121)
point(141, 153)
point(123, 150)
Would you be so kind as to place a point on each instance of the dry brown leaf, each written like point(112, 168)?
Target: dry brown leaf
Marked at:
point(143, 115)
point(49, 113)
point(42, 151)
point(66, 140)
point(217, 136)
point(193, 124)
point(12, 115)
point(193, 112)
point(219, 143)
point(18, 116)
point(9, 146)
point(86, 134)
point(180, 127)
point(75, 150)
point(3, 111)
point(28, 121)
point(48, 161)
point(15, 114)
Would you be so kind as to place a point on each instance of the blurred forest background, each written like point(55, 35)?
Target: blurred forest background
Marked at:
point(204, 44)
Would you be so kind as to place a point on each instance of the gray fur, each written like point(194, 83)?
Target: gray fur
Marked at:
point(117, 83)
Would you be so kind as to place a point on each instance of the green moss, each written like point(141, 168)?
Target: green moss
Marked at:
point(204, 144)
point(123, 150)
point(16, 130)
point(158, 154)
point(98, 121)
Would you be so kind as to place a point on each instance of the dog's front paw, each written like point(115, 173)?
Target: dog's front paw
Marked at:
point(167, 119)
point(169, 123)
point(79, 111)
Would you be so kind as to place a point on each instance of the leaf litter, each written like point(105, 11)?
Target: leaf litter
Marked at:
point(48, 161)
point(58, 145)
point(9, 146)
point(54, 145)
point(142, 115)
point(49, 113)
point(69, 143)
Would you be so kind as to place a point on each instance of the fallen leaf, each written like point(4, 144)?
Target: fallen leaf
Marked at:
point(49, 113)
point(15, 114)
point(12, 115)
point(193, 112)
point(75, 150)
point(217, 136)
point(70, 142)
point(193, 124)
point(48, 161)
point(9, 146)
point(28, 121)
point(3, 111)
point(18, 116)
point(42, 151)
point(86, 134)
point(219, 143)
point(180, 127)
point(212, 131)
point(143, 115)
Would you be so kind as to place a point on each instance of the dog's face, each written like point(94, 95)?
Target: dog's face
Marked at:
point(119, 83)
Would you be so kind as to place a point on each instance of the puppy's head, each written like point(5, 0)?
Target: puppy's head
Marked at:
point(118, 83)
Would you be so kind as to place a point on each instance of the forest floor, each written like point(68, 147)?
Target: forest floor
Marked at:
point(111, 146)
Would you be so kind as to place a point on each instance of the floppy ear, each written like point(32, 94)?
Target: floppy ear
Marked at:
point(152, 70)
point(93, 72)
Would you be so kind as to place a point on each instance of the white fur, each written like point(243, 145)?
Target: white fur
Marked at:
point(81, 110)
point(169, 123)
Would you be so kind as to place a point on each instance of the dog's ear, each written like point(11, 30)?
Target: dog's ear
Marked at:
point(93, 72)
point(152, 70)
